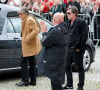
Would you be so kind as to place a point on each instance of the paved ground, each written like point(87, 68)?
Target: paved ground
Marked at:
point(42, 84)
point(92, 81)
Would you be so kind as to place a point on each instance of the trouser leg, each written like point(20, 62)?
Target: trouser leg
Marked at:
point(69, 69)
point(81, 77)
point(69, 76)
point(78, 59)
point(56, 86)
point(32, 69)
point(24, 69)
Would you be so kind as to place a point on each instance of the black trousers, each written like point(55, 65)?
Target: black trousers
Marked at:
point(28, 69)
point(56, 86)
point(77, 58)
point(56, 77)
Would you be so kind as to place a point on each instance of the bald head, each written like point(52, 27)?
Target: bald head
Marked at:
point(58, 18)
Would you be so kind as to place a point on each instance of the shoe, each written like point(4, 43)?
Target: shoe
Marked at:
point(32, 83)
point(80, 88)
point(22, 84)
point(67, 87)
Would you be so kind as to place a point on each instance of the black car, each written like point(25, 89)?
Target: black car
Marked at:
point(10, 39)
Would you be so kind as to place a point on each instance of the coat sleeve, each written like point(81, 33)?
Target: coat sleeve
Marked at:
point(33, 30)
point(50, 39)
point(84, 34)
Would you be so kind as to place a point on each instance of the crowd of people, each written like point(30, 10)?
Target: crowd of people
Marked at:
point(52, 6)
point(47, 8)
point(62, 45)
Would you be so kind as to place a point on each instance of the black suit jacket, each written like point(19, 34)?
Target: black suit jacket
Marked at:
point(54, 48)
point(52, 60)
point(77, 34)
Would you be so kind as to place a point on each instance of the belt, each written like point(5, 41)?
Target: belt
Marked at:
point(71, 47)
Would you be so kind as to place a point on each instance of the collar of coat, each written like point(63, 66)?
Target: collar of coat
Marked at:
point(23, 23)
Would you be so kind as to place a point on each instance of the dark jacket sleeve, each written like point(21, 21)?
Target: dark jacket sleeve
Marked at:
point(49, 39)
point(84, 34)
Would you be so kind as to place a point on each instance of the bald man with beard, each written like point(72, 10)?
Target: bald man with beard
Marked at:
point(54, 52)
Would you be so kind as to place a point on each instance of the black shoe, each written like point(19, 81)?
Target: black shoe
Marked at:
point(32, 83)
point(22, 84)
point(80, 88)
point(67, 87)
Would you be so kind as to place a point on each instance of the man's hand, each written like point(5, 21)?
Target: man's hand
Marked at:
point(77, 50)
point(50, 13)
point(43, 26)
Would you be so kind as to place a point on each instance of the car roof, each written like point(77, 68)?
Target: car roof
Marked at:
point(5, 9)
point(11, 11)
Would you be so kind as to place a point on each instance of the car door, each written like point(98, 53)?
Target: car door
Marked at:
point(13, 33)
point(3, 46)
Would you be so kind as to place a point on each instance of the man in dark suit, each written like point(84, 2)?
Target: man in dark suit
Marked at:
point(54, 45)
point(76, 37)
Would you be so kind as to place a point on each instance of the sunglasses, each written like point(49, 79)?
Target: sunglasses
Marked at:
point(20, 13)
point(68, 13)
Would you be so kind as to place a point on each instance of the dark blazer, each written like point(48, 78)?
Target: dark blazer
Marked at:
point(54, 52)
point(54, 49)
point(77, 34)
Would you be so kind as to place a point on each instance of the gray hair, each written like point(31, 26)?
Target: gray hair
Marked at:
point(24, 10)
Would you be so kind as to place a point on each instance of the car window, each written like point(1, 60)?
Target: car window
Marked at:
point(1, 24)
point(10, 28)
point(48, 26)
point(16, 23)
point(47, 23)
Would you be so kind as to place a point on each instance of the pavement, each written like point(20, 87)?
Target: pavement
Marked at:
point(43, 83)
